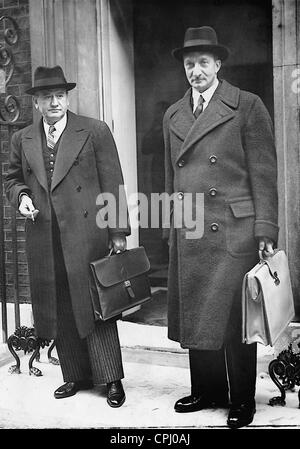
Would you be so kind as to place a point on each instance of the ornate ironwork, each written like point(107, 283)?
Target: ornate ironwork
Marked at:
point(285, 373)
point(10, 110)
point(24, 339)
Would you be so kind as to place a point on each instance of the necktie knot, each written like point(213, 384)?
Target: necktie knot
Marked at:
point(52, 129)
point(200, 100)
point(50, 137)
point(199, 107)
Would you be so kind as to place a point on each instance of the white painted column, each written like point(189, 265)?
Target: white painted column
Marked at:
point(123, 117)
point(286, 34)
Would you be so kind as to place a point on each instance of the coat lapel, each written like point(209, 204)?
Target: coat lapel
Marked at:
point(183, 119)
point(71, 143)
point(221, 108)
point(32, 147)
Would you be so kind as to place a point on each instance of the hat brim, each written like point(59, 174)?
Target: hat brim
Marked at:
point(67, 86)
point(219, 50)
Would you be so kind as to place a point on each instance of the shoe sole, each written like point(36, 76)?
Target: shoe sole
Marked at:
point(65, 396)
point(118, 405)
point(195, 410)
point(233, 426)
point(73, 394)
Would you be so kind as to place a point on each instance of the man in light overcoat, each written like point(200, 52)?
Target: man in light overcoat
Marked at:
point(219, 142)
point(58, 166)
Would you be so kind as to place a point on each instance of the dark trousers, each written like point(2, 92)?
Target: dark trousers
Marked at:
point(231, 369)
point(97, 357)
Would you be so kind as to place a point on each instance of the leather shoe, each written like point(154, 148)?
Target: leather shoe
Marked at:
point(71, 388)
point(115, 394)
point(194, 403)
point(241, 415)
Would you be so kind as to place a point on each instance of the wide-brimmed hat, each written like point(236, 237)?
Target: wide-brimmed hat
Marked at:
point(202, 39)
point(49, 78)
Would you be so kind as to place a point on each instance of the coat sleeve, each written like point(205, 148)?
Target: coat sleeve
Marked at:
point(14, 181)
point(262, 164)
point(110, 175)
point(169, 174)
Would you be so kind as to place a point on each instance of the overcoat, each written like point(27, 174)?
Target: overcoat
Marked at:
point(87, 164)
point(228, 154)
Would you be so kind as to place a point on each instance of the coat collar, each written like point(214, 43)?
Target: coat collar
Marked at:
point(220, 109)
point(71, 143)
point(32, 147)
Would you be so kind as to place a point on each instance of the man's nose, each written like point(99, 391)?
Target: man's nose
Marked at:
point(54, 101)
point(197, 70)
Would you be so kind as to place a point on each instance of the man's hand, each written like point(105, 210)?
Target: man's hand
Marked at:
point(266, 245)
point(118, 243)
point(27, 208)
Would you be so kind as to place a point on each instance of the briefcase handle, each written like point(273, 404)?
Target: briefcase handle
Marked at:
point(264, 261)
point(111, 252)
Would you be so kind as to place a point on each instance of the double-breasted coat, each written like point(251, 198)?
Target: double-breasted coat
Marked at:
point(87, 164)
point(228, 154)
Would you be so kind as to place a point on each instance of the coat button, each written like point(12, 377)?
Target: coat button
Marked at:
point(214, 227)
point(78, 188)
point(213, 159)
point(180, 195)
point(181, 163)
point(213, 191)
point(76, 162)
point(28, 170)
point(85, 213)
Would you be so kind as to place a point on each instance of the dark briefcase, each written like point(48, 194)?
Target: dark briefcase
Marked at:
point(119, 282)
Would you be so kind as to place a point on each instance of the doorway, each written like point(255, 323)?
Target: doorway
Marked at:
point(245, 27)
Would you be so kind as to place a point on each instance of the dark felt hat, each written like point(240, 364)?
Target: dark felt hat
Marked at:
point(201, 39)
point(49, 78)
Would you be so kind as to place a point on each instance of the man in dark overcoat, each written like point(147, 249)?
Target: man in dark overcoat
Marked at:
point(57, 168)
point(218, 142)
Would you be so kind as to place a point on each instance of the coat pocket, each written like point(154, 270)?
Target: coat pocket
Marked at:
point(240, 218)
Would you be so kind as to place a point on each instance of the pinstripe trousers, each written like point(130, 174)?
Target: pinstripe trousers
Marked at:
point(97, 357)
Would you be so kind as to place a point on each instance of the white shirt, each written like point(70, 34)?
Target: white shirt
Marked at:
point(59, 127)
point(207, 95)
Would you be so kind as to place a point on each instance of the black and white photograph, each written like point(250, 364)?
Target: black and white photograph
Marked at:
point(150, 218)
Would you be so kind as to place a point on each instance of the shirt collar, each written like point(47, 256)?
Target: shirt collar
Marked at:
point(59, 126)
point(207, 94)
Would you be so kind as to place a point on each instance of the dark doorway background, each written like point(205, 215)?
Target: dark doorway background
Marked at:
point(244, 26)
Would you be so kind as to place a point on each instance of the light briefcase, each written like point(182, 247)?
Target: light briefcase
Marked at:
point(267, 300)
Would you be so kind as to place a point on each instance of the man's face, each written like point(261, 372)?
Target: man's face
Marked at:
point(52, 104)
point(201, 69)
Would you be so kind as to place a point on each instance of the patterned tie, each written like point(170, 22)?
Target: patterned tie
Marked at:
point(199, 107)
point(50, 137)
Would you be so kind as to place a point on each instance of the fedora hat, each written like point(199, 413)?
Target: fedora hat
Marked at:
point(49, 78)
point(203, 39)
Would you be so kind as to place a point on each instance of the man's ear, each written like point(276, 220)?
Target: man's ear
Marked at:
point(218, 65)
point(35, 103)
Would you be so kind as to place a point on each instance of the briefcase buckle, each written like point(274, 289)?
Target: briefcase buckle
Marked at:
point(129, 289)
